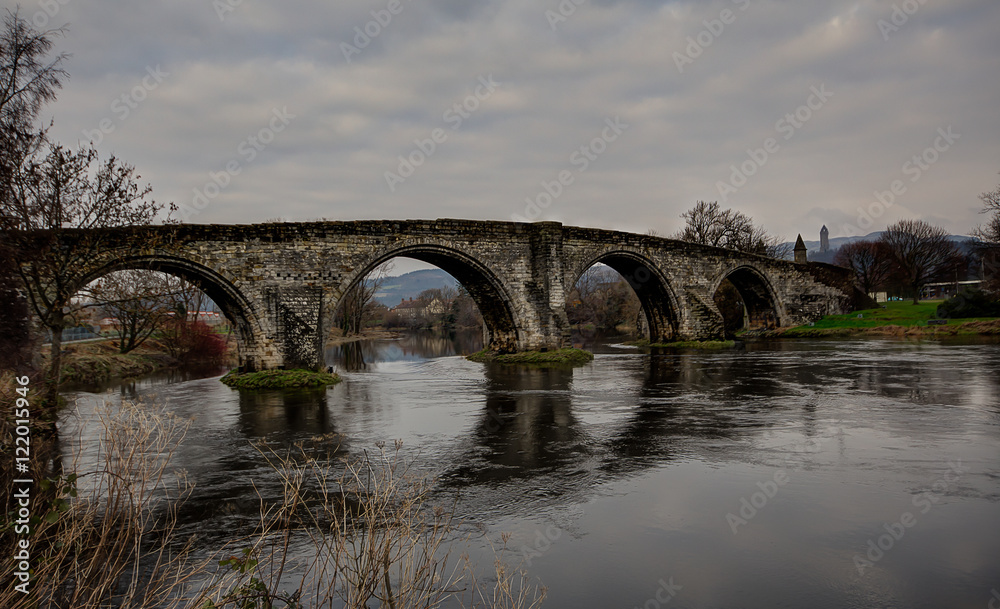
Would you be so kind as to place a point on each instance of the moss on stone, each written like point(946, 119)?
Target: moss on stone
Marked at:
point(279, 379)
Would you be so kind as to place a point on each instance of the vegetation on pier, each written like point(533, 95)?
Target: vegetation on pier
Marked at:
point(279, 379)
point(568, 356)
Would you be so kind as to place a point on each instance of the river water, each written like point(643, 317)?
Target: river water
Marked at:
point(812, 473)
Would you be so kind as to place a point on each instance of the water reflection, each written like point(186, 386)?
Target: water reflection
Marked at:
point(286, 415)
point(414, 346)
point(132, 388)
point(351, 356)
point(648, 452)
point(526, 427)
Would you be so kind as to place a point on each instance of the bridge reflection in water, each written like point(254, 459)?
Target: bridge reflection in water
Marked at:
point(637, 458)
point(412, 346)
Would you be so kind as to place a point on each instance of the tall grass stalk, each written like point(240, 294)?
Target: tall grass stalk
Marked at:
point(101, 536)
point(357, 534)
point(371, 539)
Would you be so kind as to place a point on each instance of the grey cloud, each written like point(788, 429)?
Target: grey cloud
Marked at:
point(608, 58)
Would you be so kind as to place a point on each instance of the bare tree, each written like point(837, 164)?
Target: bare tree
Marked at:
point(466, 312)
point(186, 296)
point(28, 80)
point(53, 192)
point(921, 253)
point(708, 224)
point(445, 294)
point(45, 189)
point(869, 261)
point(986, 239)
point(603, 299)
point(991, 202)
point(357, 305)
point(139, 302)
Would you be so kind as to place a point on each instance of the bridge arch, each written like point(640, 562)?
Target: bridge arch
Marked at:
point(659, 303)
point(238, 309)
point(500, 316)
point(758, 306)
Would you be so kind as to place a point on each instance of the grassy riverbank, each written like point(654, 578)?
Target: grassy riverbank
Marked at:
point(100, 361)
point(557, 357)
point(898, 318)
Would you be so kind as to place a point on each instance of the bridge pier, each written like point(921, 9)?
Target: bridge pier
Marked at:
point(702, 320)
point(546, 326)
point(296, 314)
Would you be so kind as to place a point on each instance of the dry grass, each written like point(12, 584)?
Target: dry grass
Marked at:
point(98, 361)
point(365, 533)
point(97, 538)
point(372, 539)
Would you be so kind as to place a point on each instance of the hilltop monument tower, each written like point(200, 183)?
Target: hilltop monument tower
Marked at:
point(824, 240)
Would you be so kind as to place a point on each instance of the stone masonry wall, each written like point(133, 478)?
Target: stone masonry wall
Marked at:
point(281, 283)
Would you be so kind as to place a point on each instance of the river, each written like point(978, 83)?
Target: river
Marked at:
point(810, 473)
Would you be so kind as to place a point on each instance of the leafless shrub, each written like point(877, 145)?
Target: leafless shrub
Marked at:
point(103, 538)
point(106, 535)
point(921, 253)
point(372, 537)
point(708, 224)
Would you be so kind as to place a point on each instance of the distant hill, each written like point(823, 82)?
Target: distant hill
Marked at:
point(836, 243)
point(396, 289)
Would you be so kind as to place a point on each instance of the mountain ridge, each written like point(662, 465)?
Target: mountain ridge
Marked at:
point(396, 289)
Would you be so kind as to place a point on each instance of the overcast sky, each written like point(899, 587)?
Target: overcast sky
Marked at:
point(641, 107)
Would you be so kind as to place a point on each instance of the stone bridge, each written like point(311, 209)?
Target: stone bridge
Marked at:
point(281, 283)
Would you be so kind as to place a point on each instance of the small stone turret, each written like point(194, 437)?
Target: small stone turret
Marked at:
point(800, 251)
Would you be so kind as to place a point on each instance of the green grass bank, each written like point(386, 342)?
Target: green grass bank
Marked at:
point(898, 318)
point(100, 361)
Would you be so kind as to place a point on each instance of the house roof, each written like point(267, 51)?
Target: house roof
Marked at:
point(412, 304)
